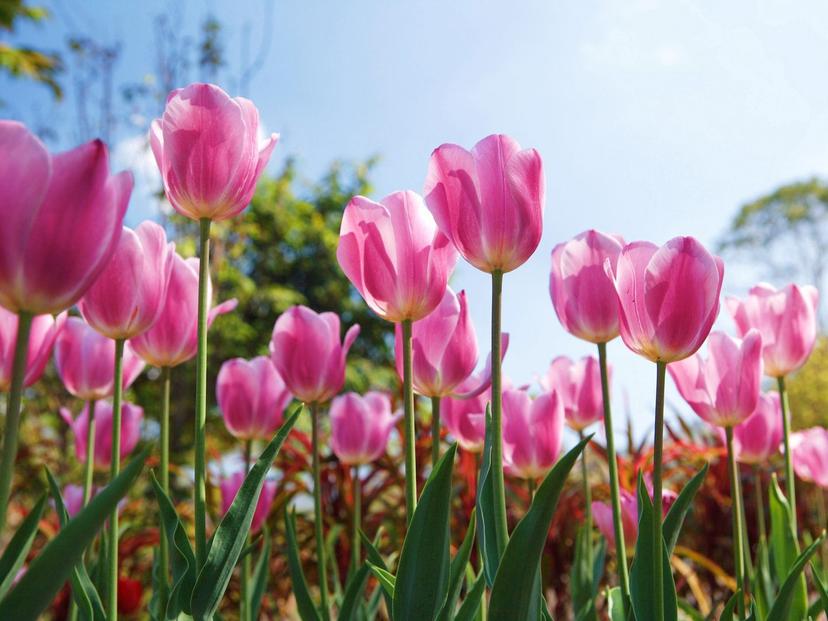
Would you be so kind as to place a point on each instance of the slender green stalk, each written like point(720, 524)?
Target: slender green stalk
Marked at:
point(89, 468)
point(21, 351)
point(317, 510)
point(790, 480)
point(199, 491)
point(823, 523)
point(245, 603)
point(355, 538)
point(164, 550)
point(531, 485)
point(658, 539)
point(435, 430)
point(615, 488)
point(738, 556)
point(759, 500)
point(410, 425)
point(498, 485)
point(587, 499)
point(745, 540)
point(114, 469)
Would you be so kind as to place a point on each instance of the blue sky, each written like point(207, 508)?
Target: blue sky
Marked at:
point(654, 118)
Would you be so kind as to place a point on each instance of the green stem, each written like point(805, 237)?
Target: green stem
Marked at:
point(21, 351)
point(821, 516)
point(531, 485)
point(587, 499)
point(201, 397)
point(245, 603)
point(790, 480)
point(356, 540)
point(114, 469)
point(738, 556)
point(317, 510)
point(410, 425)
point(498, 486)
point(164, 551)
point(658, 539)
point(615, 488)
point(89, 468)
point(435, 431)
point(759, 499)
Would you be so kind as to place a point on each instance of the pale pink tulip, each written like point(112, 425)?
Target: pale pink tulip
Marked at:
point(757, 439)
point(360, 426)
point(131, 417)
point(578, 384)
point(62, 217)
point(602, 513)
point(532, 433)
point(465, 420)
point(207, 148)
point(73, 499)
point(44, 331)
point(488, 201)
point(230, 485)
point(809, 451)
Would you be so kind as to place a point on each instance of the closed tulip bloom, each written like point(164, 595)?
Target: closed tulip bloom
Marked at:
point(131, 417)
point(207, 148)
point(722, 389)
point(395, 256)
point(444, 347)
point(85, 361)
point(252, 397)
point(360, 426)
point(128, 296)
point(72, 499)
point(230, 485)
point(582, 294)
point(489, 201)
point(44, 331)
point(668, 297)
point(578, 384)
point(786, 319)
point(465, 420)
point(532, 433)
point(62, 216)
point(809, 450)
point(173, 338)
point(602, 512)
point(307, 352)
point(757, 439)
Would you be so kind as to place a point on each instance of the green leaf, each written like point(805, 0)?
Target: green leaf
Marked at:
point(457, 571)
point(783, 608)
point(691, 613)
point(823, 593)
point(471, 604)
point(50, 570)
point(515, 594)
point(385, 577)
point(615, 604)
point(581, 578)
point(423, 570)
point(485, 504)
point(784, 548)
point(231, 533)
point(353, 594)
point(15, 553)
point(674, 519)
point(304, 602)
point(376, 559)
point(730, 607)
point(260, 575)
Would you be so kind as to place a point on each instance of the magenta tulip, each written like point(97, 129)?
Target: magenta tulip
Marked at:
point(582, 293)
point(72, 499)
point(230, 485)
point(578, 385)
point(306, 350)
point(757, 439)
point(488, 201)
point(172, 339)
point(207, 148)
point(85, 361)
point(629, 515)
point(360, 426)
point(787, 321)
point(532, 433)
point(252, 397)
point(131, 417)
point(465, 420)
point(395, 256)
point(809, 449)
point(724, 388)
point(62, 218)
point(668, 297)
point(44, 331)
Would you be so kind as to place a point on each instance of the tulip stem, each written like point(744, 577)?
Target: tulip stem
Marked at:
point(89, 468)
point(21, 351)
point(164, 551)
point(759, 496)
point(201, 397)
point(615, 493)
point(410, 425)
point(587, 499)
point(498, 486)
point(658, 539)
point(356, 541)
point(245, 603)
point(317, 510)
point(114, 469)
point(530, 486)
point(790, 481)
point(735, 494)
point(435, 431)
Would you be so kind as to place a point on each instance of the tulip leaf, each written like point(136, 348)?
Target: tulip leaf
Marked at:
point(783, 608)
point(260, 575)
point(18, 548)
point(615, 604)
point(350, 601)
point(457, 572)
point(515, 594)
point(784, 548)
point(421, 586)
point(387, 580)
point(730, 607)
point(376, 559)
point(674, 519)
point(231, 533)
point(48, 572)
point(304, 602)
point(585, 578)
point(474, 598)
point(485, 504)
point(823, 593)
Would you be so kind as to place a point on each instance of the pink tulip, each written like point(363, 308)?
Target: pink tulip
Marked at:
point(489, 201)
point(394, 255)
point(602, 513)
point(809, 450)
point(230, 485)
point(206, 147)
point(173, 338)
point(465, 420)
point(582, 293)
point(62, 218)
point(44, 331)
point(724, 388)
point(85, 361)
point(532, 433)
point(668, 297)
point(787, 321)
point(578, 385)
point(252, 397)
point(128, 296)
point(131, 417)
point(73, 499)
point(306, 351)
point(360, 426)
point(757, 439)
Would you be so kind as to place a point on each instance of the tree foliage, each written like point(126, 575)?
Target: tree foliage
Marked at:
point(23, 61)
point(808, 390)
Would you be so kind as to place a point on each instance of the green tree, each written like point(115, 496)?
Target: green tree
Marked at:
point(22, 61)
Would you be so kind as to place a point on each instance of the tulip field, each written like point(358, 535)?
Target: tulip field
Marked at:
point(452, 496)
